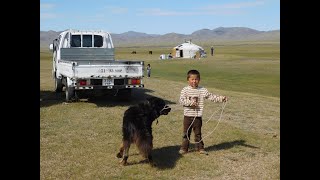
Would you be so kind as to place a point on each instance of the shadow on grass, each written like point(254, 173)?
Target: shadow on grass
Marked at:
point(167, 157)
point(229, 145)
point(49, 98)
point(164, 158)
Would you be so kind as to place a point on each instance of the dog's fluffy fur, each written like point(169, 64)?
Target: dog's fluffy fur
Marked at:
point(137, 127)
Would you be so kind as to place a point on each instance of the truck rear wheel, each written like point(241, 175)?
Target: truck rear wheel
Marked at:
point(70, 94)
point(58, 85)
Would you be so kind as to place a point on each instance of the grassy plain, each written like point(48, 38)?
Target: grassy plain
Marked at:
point(80, 140)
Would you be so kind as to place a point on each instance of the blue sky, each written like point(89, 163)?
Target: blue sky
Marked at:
point(158, 16)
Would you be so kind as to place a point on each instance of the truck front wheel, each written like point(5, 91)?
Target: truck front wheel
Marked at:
point(70, 94)
point(58, 85)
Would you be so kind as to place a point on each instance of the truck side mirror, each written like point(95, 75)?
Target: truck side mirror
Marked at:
point(51, 46)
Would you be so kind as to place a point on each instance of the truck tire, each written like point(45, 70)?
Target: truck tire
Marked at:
point(70, 94)
point(58, 85)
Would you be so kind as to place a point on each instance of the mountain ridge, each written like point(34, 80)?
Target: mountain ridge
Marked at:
point(220, 34)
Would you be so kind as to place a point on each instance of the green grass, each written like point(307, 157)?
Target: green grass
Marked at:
point(80, 140)
point(246, 68)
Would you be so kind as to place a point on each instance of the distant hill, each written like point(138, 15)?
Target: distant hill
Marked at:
point(46, 37)
point(204, 36)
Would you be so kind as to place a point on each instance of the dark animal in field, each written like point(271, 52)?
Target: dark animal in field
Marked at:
point(150, 52)
point(134, 52)
point(137, 127)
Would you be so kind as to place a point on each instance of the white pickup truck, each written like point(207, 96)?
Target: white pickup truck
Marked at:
point(84, 60)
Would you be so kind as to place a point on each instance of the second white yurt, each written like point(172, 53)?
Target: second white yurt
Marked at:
point(188, 50)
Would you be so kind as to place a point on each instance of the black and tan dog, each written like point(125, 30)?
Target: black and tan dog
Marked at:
point(137, 127)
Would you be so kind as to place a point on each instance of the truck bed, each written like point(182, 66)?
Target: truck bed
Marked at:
point(84, 54)
point(96, 63)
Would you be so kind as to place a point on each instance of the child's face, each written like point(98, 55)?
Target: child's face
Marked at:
point(193, 80)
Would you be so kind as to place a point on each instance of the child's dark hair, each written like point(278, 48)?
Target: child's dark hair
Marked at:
point(193, 72)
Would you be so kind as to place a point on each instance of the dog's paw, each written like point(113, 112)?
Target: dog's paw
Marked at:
point(119, 155)
point(152, 164)
point(123, 162)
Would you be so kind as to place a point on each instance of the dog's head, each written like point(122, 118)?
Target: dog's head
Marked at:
point(159, 105)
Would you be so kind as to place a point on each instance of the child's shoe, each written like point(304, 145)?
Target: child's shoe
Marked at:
point(202, 151)
point(181, 151)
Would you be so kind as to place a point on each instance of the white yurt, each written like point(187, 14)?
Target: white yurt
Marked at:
point(188, 50)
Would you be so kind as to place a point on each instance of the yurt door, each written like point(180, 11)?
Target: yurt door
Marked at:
point(181, 53)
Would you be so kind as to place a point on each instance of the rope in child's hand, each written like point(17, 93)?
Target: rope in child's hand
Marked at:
point(222, 109)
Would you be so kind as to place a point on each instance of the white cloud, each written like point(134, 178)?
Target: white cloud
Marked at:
point(97, 18)
point(47, 15)
point(44, 6)
point(45, 9)
point(221, 9)
point(239, 5)
point(117, 10)
point(159, 12)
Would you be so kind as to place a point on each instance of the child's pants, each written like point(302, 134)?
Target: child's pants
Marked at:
point(196, 127)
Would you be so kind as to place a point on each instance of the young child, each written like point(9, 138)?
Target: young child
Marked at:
point(192, 98)
point(148, 70)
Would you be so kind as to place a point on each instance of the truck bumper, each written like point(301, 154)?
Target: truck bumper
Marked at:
point(109, 87)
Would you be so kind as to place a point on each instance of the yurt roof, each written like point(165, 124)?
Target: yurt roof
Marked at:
point(188, 45)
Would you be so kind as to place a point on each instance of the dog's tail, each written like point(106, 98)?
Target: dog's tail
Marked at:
point(145, 146)
point(128, 130)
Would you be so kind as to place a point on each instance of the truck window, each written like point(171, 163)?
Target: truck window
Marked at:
point(98, 41)
point(76, 41)
point(87, 41)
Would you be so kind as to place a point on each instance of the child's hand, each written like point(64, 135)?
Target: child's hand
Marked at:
point(194, 104)
point(224, 99)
